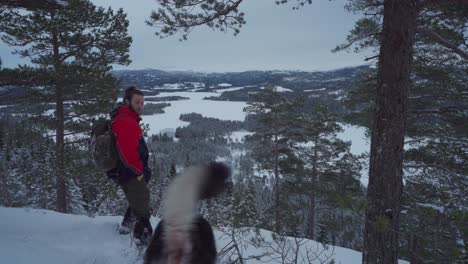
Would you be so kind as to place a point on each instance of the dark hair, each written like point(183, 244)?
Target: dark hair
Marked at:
point(130, 91)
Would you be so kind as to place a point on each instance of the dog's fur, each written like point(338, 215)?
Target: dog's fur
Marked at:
point(182, 236)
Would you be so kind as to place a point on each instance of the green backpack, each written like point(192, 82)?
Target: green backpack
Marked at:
point(102, 145)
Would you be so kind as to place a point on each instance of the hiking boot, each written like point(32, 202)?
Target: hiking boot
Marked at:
point(127, 223)
point(142, 231)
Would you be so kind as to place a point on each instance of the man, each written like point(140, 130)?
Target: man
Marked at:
point(132, 173)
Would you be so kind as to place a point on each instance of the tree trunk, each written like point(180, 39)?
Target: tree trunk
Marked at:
point(385, 168)
point(311, 217)
point(277, 187)
point(415, 250)
point(59, 129)
point(312, 194)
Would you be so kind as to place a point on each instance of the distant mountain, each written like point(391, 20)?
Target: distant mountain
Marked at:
point(325, 87)
point(150, 79)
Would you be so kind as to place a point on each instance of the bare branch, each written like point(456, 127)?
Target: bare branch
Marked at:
point(371, 58)
point(176, 16)
point(34, 4)
point(439, 39)
point(429, 3)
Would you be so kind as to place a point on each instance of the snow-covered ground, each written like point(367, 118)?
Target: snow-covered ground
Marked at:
point(173, 86)
point(42, 236)
point(238, 136)
point(337, 92)
point(280, 89)
point(230, 89)
point(315, 90)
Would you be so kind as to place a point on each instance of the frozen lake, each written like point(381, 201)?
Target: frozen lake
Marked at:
point(226, 110)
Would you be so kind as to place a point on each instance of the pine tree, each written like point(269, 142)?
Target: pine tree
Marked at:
point(433, 108)
point(331, 171)
point(75, 46)
point(244, 211)
point(343, 194)
point(35, 4)
point(274, 135)
point(25, 165)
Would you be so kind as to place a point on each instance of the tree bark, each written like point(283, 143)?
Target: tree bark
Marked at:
point(386, 158)
point(312, 194)
point(60, 128)
point(415, 250)
point(277, 186)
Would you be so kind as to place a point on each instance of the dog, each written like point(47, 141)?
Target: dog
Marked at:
point(182, 236)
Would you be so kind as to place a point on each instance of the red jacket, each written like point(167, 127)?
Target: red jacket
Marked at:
point(130, 144)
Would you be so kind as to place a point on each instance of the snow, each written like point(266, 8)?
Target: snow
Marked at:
point(224, 110)
point(337, 92)
point(279, 89)
point(440, 209)
point(229, 89)
point(460, 242)
point(235, 153)
point(38, 88)
point(170, 86)
point(61, 2)
point(288, 79)
point(315, 90)
point(238, 136)
point(282, 89)
point(197, 84)
point(360, 144)
point(224, 84)
point(227, 110)
point(357, 135)
point(43, 236)
point(335, 79)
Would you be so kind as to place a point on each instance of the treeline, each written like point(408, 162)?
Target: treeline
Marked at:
point(204, 127)
point(151, 109)
point(165, 98)
point(293, 175)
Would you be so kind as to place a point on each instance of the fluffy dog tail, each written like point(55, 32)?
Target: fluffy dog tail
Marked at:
point(181, 202)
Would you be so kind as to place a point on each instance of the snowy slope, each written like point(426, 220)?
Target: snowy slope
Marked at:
point(42, 236)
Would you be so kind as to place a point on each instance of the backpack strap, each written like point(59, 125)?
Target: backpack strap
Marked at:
point(113, 121)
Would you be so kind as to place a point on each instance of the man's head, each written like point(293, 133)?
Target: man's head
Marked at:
point(134, 99)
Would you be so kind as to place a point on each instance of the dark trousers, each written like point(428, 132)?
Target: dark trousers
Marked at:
point(138, 197)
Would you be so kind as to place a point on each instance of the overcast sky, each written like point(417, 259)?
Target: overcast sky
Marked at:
point(274, 38)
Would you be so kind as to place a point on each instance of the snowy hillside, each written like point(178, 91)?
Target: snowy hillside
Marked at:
point(42, 236)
